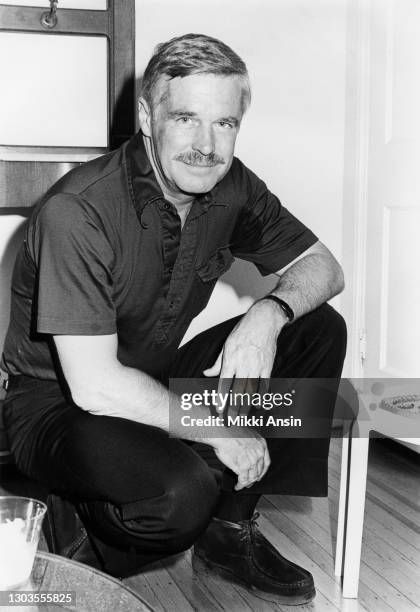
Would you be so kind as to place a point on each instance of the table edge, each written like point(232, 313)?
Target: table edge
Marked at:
point(47, 555)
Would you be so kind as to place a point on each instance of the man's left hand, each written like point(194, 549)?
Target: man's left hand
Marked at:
point(250, 348)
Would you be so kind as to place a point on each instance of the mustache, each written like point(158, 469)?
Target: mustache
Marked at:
point(194, 158)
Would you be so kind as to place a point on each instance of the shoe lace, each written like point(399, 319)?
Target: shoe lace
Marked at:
point(249, 526)
point(253, 521)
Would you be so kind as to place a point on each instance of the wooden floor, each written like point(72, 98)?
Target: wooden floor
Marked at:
point(304, 530)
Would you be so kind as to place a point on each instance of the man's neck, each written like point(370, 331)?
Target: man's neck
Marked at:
point(181, 203)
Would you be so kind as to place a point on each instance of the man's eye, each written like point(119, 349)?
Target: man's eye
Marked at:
point(184, 119)
point(225, 124)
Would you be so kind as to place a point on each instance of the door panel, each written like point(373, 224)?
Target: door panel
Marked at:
point(392, 304)
point(400, 294)
point(402, 86)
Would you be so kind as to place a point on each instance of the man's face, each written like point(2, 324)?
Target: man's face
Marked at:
point(193, 130)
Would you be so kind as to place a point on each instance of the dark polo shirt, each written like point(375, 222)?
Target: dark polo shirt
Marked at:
point(104, 253)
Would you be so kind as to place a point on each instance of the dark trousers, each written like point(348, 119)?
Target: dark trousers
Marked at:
point(137, 487)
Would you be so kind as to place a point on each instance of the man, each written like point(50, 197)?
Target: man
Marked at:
point(119, 257)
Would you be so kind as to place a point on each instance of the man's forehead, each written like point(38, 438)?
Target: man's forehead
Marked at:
point(217, 90)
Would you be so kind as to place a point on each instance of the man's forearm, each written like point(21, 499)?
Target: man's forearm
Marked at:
point(304, 286)
point(310, 282)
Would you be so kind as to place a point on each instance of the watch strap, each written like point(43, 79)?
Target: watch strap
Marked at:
point(283, 305)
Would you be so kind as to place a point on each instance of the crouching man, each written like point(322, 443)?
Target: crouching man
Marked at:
point(118, 258)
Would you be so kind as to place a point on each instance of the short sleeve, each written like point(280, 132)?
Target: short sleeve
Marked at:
point(73, 260)
point(266, 233)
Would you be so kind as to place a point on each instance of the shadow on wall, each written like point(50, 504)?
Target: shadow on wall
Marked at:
point(245, 279)
point(233, 295)
point(12, 229)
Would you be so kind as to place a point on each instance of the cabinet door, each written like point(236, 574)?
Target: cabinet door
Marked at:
point(67, 90)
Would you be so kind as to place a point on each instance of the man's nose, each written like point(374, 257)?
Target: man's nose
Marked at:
point(204, 140)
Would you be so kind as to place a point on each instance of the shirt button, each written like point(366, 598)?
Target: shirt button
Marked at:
point(171, 305)
point(166, 206)
point(170, 270)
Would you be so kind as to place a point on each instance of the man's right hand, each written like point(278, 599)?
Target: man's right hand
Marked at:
point(247, 456)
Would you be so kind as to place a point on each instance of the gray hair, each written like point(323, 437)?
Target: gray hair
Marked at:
point(193, 54)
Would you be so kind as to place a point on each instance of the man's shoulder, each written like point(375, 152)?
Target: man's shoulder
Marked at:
point(96, 189)
point(92, 177)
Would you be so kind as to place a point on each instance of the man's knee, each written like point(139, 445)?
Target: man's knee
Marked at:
point(164, 524)
point(327, 340)
point(189, 509)
point(333, 325)
point(313, 346)
point(324, 325)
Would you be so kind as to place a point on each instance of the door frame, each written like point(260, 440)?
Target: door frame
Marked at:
point(355, 188)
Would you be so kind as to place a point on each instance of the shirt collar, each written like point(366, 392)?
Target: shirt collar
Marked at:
point(142, 182)
point(144, 188)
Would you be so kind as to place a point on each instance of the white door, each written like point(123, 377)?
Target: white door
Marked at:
point(392, 290)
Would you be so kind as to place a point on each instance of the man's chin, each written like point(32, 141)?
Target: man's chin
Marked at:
point(198, 182)
point(197, 186)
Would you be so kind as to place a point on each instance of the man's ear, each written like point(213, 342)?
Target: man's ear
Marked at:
point(145, 117)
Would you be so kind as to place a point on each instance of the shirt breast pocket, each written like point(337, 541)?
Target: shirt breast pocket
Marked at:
point(207, 274)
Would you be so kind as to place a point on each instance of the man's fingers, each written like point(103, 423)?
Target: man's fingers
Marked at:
point(244, 482)
point(227, 370)
point(239, 485)
point(260, 467)
point(214, 370)
point(223, 389)
point(242, 391)
point(249, 476)
point(264, 383)
point(236, 406)
point(267, 462)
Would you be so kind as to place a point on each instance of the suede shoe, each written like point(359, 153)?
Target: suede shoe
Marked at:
point(240, 553)
point(66, 535)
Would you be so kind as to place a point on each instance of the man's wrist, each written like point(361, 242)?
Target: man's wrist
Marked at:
point(283, 307)
point(269, 311)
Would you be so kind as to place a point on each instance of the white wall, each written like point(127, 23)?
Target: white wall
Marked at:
point(293, 134)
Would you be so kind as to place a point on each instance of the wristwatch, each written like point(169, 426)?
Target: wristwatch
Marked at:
point(283, 305)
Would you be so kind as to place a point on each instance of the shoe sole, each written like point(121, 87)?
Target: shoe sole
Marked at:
point(201, 565)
